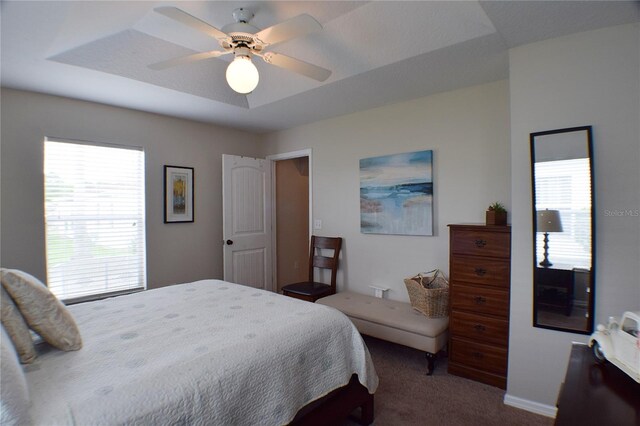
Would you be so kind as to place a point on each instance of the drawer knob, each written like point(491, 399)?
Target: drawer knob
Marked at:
point(479, 300)
point(480, 243)
point(479, 327)
point(477, 355)
point(480, 272)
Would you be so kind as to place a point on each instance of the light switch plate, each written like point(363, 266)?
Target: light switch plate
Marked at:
point(317, 224)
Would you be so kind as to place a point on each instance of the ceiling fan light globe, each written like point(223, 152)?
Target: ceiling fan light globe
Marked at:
point(242, 75)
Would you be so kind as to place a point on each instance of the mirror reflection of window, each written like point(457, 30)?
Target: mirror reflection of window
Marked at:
point(563, 185)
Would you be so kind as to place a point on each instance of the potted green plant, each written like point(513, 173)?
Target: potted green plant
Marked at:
point(496, 214)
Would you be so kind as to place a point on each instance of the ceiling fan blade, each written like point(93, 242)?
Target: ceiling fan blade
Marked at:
point(287, 62)
point(292, 28)
point(191, 21)
point(187, 59)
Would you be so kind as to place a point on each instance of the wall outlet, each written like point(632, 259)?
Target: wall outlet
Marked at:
point(317, 224)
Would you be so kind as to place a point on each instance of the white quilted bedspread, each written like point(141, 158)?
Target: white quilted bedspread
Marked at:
point(207, 352)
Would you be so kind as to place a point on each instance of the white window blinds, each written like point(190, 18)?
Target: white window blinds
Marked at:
point(564, 185)
point(94, 219)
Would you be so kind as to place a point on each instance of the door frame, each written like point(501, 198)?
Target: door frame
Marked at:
point(272, 160)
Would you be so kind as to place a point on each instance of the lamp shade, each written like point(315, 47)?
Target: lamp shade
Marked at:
point(548, 221)
point(242, 75)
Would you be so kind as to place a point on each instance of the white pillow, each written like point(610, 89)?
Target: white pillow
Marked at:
point(14, 395)
point(42, 310)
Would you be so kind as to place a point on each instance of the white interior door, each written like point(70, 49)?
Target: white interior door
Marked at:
point(246, 194)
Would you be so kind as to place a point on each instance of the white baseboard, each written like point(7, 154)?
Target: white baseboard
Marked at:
point(532, 406)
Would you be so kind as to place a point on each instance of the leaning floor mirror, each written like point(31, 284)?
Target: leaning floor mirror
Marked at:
point(563, 229)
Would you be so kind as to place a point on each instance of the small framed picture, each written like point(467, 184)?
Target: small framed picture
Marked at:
point(178, 194)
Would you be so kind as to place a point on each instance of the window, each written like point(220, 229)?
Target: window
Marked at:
point(94, 219)
point(564, 186)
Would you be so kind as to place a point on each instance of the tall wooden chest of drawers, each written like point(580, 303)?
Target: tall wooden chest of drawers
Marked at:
point(479, 279)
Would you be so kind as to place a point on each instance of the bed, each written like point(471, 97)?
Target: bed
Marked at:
point(207, 352)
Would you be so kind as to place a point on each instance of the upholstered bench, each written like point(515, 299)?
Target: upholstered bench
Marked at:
point(393, 321)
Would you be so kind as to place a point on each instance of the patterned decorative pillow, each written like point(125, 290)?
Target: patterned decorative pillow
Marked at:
point(17, 329)
point(14, 394)
point(44, 313)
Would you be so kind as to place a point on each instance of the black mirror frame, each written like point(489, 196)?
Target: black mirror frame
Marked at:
point(591, 297)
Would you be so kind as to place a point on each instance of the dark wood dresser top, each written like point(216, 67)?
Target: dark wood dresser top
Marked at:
point(594, 394)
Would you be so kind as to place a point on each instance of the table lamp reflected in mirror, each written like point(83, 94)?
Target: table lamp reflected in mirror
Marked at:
point(548, 221)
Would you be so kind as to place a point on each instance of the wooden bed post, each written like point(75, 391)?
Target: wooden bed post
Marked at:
point(337, 406)
point(366, 412)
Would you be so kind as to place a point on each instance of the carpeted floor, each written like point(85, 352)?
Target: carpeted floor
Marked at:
point(407, 396)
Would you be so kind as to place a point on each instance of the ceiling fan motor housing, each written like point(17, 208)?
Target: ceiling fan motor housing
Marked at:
point(241, 33)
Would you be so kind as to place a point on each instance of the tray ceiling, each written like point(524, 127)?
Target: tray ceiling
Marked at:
point(379, 52)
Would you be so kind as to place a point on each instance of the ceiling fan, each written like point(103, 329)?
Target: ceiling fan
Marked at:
point(245, 41)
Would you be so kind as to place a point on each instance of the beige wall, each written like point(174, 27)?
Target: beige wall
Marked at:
point(592, 78)
point(175, 252)
point(467, 129)
point(292, 220)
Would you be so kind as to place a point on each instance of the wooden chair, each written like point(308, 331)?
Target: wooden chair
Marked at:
point(311, 290)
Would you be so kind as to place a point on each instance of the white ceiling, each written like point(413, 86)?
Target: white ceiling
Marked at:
point(380, 52)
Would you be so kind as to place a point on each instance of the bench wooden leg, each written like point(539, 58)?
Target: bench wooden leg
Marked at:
point(431, 363)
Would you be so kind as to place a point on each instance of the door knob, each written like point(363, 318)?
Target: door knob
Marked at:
point(229, 242)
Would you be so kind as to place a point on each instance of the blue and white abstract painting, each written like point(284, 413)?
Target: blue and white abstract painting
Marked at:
point(396, 194)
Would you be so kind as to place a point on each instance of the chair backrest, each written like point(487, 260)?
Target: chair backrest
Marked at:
point(317, 260)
